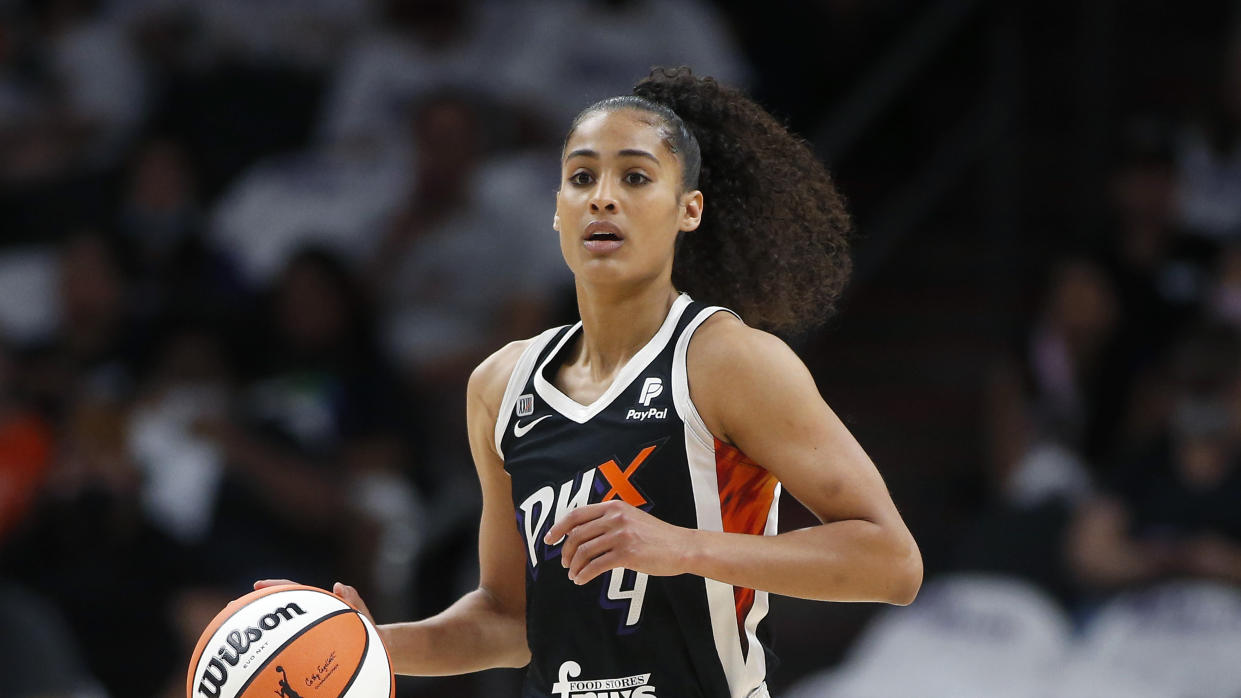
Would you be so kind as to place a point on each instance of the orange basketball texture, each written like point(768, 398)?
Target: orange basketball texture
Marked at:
point(292, 641)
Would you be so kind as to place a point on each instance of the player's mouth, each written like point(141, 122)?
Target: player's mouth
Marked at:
point(602, 237)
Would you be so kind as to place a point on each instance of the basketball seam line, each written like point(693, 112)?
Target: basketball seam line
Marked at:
point(366, 646)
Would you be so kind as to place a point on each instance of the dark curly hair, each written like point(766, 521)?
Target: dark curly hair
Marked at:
point(773, 242)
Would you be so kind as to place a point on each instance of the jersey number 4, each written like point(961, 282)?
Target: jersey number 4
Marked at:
point(634, 595)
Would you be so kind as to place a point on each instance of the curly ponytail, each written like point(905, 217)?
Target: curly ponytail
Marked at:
point(773, 243)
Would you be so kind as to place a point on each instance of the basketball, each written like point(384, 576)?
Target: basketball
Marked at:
point(293, 641)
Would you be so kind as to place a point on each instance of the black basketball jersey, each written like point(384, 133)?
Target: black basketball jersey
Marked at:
point(626, 634)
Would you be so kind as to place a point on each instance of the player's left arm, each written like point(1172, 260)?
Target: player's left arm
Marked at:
point(753, 392)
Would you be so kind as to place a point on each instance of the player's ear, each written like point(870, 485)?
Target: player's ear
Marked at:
point(556, 223)
point(691, 210)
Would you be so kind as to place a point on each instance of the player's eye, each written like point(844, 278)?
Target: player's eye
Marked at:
point(636, 178)
point(580, 178)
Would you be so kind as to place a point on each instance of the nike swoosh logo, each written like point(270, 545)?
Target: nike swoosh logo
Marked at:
point(520, 431)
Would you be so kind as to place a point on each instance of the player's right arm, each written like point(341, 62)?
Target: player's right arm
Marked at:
point(486, 628)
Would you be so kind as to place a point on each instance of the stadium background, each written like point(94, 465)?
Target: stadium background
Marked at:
point(250, 249)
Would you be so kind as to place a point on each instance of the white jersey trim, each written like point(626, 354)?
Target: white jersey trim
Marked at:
point(720, 602)
point(637, 363)
point(756, 661)
point(516, 380)
point(744, 674)
point(680, 380)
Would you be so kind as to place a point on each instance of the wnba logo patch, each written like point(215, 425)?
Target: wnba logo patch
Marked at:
point(525, 405)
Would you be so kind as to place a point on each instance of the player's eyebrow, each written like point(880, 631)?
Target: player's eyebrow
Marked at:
point(627, 152)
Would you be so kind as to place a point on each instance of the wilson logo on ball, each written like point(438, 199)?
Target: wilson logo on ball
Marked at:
point(237, 644)
point(291, 641)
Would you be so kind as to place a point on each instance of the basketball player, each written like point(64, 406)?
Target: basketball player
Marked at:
point(631, 463)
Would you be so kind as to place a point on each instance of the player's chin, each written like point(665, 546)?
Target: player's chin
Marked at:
point(604, 270)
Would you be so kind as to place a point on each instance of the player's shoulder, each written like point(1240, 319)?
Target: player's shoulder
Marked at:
point(739, 374)
point(490, 377)
point(726, 344)
point(735, 362)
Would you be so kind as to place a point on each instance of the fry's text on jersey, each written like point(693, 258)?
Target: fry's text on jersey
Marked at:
point(636, 686)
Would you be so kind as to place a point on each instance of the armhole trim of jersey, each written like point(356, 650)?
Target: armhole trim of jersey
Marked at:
point(521, 371)
point(680, 378)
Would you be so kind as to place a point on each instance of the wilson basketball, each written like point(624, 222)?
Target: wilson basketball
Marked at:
point(292, 641)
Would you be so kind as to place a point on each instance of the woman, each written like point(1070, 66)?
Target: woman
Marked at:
point(645, 447)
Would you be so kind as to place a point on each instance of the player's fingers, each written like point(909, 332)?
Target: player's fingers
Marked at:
point(578, 535)
point(576, 517)
point(353, 598)
point(264, 583)
point(599, 565)
point(586, 552)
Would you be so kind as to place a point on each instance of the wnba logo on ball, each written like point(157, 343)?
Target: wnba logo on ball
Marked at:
point(237, 644)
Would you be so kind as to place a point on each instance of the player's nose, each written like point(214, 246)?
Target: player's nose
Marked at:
point(603, 197)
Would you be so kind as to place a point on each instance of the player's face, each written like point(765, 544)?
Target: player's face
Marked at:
point(620, 203)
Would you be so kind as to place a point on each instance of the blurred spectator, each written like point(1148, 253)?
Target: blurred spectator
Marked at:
point(390, 525)
point(576, 52)
point(1043, 406)
point(100, 79)
point(332, 197)
point(1224, 296)
point(191, 379)
point(26, 451)
point(76, 92)
point(168, 35)
point(1156, 276)
point(96, 338)
point(87, 548)
point(40, 656)
point(285, 504)
point(1143, 254)
point(28, 312)
point(1043, 409)
point(306, 35)
point(19, 98)
point(161, 225)
point(1209, 160)
point(419, 47)
point(1171, 509)
point(470, 261)
point(94, 344)
point(160, 210)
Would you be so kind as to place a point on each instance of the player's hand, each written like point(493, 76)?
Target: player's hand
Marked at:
point(347, 594)
point(601, 537)
point(264, 583)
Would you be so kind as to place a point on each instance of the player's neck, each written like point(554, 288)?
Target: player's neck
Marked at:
point(617, 323)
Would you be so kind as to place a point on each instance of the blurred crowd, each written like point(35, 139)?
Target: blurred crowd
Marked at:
point(1118, 413)
point(250, 253)
point(251, 249)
